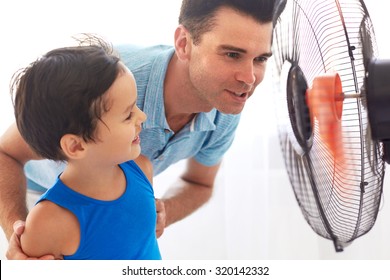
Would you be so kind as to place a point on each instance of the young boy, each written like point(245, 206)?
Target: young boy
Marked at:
point(78, 104)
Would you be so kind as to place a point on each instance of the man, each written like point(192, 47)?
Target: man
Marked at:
point(192, 94)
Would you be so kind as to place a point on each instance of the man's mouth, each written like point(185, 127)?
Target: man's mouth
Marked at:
point(242, 96)
point(239, 94)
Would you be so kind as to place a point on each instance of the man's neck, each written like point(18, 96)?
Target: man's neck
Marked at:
point(181, 104)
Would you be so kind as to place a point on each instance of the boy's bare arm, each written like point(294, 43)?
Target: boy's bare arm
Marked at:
point(146, 166)
point(50, 230)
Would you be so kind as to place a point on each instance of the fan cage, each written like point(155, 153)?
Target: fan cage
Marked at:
point(340, 202)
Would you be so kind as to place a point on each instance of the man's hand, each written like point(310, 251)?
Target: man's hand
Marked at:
point(15, 251)
point(161, 217)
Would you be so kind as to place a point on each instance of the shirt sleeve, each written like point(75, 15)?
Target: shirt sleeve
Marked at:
point(219, 140)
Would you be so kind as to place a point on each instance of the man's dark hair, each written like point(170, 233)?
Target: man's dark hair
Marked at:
point(198, 15)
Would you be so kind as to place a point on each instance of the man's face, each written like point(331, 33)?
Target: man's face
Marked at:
point(229, 61)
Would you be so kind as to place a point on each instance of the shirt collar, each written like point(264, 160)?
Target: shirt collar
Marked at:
point(154, 97)
point(204, 121)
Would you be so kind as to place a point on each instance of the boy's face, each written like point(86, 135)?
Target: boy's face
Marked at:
point(230, 61)
point(117, 136)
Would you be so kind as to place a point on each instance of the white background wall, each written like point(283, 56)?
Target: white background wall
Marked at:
point(253, 213)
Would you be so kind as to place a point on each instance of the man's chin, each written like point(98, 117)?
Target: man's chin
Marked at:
point(231, 111)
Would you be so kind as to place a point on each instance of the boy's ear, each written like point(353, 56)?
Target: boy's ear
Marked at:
point(182, 42)
point(73, 146)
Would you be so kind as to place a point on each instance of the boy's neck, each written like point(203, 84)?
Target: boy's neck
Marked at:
point(107, 183)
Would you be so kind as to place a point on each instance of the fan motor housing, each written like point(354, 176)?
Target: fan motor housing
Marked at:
point(378, 98)
point(378, 102)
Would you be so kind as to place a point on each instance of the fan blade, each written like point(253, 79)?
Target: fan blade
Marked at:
point(325, 103)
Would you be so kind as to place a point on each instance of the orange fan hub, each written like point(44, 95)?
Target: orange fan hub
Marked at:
point(325, 102)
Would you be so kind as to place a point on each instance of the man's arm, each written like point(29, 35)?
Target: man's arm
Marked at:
point(193, 189)
point(14, 153)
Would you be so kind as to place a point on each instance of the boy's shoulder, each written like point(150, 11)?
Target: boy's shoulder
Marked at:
point(50, 229)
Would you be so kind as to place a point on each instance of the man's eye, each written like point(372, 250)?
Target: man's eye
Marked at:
point(261, 59)
point(233, 55)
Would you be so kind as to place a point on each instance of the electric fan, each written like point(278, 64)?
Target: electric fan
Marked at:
point(331, 111)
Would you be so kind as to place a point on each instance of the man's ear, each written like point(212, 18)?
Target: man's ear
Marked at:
point(182, 42)
point(73, 146)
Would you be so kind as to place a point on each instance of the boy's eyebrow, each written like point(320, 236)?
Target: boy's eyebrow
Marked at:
point(240, 50)
point(129, 108)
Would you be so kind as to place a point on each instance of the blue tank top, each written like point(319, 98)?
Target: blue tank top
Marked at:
point(121, 229)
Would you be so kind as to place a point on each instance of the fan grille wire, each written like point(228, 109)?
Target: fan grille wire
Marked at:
point(340, 202)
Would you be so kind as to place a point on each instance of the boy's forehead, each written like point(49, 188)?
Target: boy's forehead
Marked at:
point(124, 82)
point(125, 68)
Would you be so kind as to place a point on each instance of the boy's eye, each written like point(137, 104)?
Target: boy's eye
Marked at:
point(129, 116)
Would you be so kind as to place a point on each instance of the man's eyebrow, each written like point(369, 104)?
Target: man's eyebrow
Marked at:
point(267, 54)
point(240, 50)
point(232, 48)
